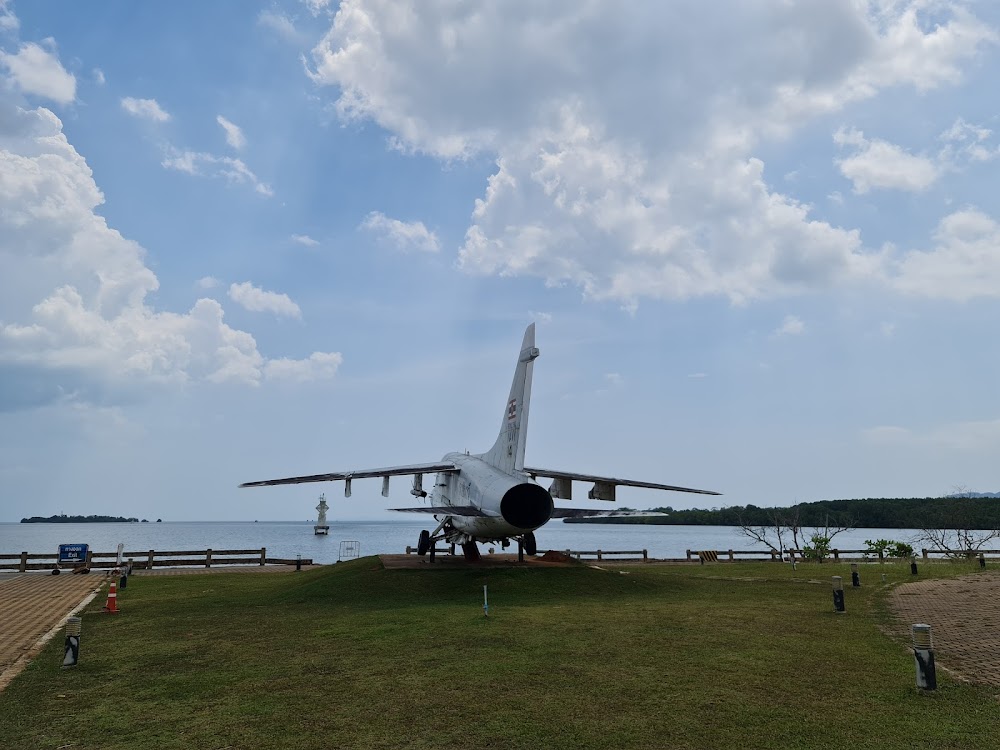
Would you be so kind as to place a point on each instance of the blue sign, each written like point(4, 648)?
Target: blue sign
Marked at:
point(73, 553)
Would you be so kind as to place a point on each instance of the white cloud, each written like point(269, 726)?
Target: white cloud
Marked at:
point(36, 70)
point(879, 164)
point(234, 135)
point(698, 375)
point(99, 77)
point(304, 239)
point(146, 109)
point(318, 366)
point(234, 171)
point(404, 235)
point(967, 142)
point(207, 282)
point(8, 21)
point(316, 6)
point(75, 316)
point(613, 378)
point(790, 326)
point(280, 24)
point(256, 299)
point(964, 263)
point(978, 437)
point(626, 191)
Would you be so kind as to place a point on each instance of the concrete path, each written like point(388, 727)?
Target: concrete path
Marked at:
point(964, 615)
point(31, 605)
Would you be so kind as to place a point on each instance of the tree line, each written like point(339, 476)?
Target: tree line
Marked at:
point(871, 513)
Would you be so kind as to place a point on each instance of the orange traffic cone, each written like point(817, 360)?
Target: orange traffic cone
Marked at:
point(112, 606)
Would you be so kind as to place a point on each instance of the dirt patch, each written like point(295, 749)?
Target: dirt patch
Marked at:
point(964, 615)
point(412, 562)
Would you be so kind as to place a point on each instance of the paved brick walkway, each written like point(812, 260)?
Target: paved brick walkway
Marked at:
point(30, 606)
point(964, 615)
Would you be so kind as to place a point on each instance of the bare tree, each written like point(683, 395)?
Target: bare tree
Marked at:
point(953, 536)
point(782, 527)
point(784, 531)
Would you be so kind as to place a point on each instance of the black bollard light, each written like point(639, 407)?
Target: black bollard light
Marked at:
point(923, 657)
point(298, 562)
point(982, 560)
point(838, 594)
point(913, 565)
point(855, 576)
point(72, 653)
point(123, 581)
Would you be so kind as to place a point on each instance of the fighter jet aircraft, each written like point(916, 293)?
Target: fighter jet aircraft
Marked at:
point(492, 496)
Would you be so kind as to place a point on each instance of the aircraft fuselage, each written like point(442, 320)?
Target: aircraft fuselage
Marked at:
point(513, 504)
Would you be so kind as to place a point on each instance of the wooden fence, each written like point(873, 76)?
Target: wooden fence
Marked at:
point(149, 559)
point(969, 553)
point(696, 555)
point(835, 555)
point(606, 554)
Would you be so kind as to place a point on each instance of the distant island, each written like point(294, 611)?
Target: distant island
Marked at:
point(973, 510)
point(79, 519)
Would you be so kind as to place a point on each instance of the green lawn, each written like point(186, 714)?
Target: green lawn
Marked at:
point(354, 656)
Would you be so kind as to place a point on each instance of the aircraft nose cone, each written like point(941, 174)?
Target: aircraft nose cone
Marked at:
point(526, 506)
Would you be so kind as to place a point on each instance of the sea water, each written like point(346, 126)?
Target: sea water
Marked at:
point(288, 539)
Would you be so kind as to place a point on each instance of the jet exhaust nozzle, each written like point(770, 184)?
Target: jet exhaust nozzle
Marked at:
point(526, 506)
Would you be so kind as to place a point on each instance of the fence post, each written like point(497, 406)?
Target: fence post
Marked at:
point(645, 555)
point(598, 554)
point(263, 555)
point(731, 558)
point(688, 552)
point(836, 555)
point(24, 563)
point(923, 553)
point(149, 560)
point(208, 558)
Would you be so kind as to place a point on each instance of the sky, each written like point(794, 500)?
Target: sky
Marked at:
point(760, 242)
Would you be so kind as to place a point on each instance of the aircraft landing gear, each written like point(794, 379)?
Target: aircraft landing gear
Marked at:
point(424, 542)
point(471, 552)
point(528, 540)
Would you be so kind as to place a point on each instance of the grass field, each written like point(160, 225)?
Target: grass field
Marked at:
point(355, 656)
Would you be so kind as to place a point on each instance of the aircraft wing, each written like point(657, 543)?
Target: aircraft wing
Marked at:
point(604, 487)
point(390, 471)
point(446, 510)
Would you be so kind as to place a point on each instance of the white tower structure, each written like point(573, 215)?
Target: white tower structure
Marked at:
point(321, 526)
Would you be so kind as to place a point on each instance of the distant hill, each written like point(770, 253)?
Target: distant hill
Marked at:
point(79, 519)
point(981, 511)
point(994, 495)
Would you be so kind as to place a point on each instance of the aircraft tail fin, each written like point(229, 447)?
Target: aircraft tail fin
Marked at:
point(507, 454)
